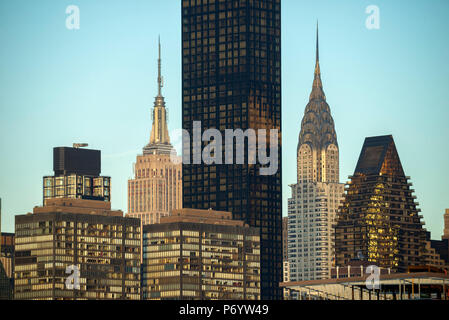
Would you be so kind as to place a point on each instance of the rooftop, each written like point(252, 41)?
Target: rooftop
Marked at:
point(202, 216)
point(78, 206)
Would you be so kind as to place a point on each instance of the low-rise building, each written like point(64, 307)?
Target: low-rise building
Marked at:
point(200, 255)
point(71, 242)
point(6, 266)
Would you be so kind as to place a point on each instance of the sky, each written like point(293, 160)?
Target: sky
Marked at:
point(97, 85)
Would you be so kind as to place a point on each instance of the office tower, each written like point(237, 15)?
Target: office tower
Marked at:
point(441, 247)
point(312, 209)
point(6, 266)
point(200, 255)
point(6, 249)
point(6, 290)
point(284, 238)
point(446, 225)
point(379, 216)
point(65, 234)
point(6, 262)
point(231, 66)
point(285, 264)
point(77, 175)
point(432, 253)
point(157, 185)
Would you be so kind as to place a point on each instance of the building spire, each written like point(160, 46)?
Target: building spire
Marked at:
point(317, 47)
point(318, 133)
point(159, 138)
point(317, 88)
point(159, 76)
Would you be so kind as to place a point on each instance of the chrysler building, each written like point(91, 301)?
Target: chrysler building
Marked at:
point(317, 194)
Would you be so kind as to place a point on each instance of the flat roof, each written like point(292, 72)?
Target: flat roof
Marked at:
point(77, 206)
point(202, 216)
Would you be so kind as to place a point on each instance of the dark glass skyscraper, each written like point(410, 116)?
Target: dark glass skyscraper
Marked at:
point(232, 80)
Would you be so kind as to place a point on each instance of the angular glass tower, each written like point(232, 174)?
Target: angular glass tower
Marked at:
point(231, 66)
point(379, 217)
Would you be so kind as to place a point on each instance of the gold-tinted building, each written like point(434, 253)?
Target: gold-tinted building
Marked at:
point(200, 255)
point(379, 218)
point(84, 234)
point(157, 185)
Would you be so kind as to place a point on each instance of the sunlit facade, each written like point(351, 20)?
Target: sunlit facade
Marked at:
point(77, 187)
point(156, 188)
point(379, 218)
point(316, 196)
point(6, 265)
point(446, 225)
point(87, 234)
point(200, 255)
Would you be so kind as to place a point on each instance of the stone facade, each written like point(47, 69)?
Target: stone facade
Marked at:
point(156, 188)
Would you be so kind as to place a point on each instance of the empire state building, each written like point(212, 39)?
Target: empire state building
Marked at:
point(317, 194)
point(157, 185)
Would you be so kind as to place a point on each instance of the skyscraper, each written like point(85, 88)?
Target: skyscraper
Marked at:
point(157, 185)
point(379, 218)
point(6, 265)
point(77, 175)
point(75, 246)
point(285, 264)
point(80, 238)
point(316, 196)
point(6, 262)
point(446, 225)
point(442, 246)
point(285, 239)
point(231, 66)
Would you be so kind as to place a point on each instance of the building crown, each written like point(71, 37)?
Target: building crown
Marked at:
point(159, 138)
point(317, 126)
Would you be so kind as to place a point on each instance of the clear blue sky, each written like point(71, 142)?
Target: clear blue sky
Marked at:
point(97, 85)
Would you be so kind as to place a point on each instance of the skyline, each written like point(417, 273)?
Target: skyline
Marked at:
point(357, 70)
